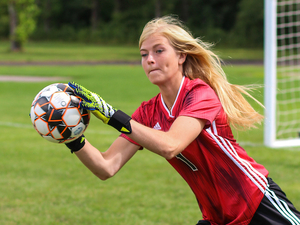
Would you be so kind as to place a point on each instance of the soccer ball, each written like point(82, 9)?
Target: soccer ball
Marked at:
point(56, 114)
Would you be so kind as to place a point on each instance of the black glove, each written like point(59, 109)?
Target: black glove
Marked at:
point(77, 144)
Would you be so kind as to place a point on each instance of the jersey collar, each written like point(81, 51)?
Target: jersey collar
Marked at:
point(164, 105)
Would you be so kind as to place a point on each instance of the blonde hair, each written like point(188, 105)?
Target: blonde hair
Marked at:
point(202, 63)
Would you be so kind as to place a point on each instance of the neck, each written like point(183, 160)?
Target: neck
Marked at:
point(169, 93)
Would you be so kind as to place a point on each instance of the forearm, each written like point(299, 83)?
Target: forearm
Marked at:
point(94, 161)
point(106, 164)
point(170, 143)
point(159, 142)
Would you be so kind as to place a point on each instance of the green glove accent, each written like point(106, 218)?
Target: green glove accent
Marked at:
point(102, 110)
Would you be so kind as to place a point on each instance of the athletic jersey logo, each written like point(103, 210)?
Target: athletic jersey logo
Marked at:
point(157, 126)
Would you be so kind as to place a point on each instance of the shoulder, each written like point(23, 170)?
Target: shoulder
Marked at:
point(196, 83)
point(199, 100)
point(198, 89)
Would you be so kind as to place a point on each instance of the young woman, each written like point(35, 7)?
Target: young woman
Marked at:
point(188, 123)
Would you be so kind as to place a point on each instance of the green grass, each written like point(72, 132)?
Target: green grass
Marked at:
point(228, 54)
point(65, 52)
point(42, 183)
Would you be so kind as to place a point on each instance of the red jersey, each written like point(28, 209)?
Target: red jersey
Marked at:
point(228, 184)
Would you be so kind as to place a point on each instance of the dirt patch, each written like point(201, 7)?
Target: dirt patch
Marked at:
point(6, 78)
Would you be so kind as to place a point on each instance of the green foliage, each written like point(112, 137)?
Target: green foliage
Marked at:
point(26, 11)
point(228, 23)
point(4, 19)
point(248, 31)
point(212, 19)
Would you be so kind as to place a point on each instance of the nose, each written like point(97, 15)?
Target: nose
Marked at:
point(150, 59)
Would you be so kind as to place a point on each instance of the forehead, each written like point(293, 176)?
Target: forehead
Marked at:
point(154, 40)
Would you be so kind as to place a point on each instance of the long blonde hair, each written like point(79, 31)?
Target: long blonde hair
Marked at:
point(202, 63)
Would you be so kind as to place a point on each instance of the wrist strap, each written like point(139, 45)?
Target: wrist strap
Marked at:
point(77, 144)
point(121, 121)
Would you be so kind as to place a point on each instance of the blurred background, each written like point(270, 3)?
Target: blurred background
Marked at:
point(230, 23)
point(95, 43)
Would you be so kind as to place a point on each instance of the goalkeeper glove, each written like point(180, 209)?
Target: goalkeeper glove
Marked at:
point(102, 110)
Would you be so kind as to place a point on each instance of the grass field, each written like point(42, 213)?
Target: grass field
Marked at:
point(64, 52)
point(42, 183)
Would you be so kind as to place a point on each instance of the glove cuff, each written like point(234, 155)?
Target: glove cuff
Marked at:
point(120, 121)
point(77, 144)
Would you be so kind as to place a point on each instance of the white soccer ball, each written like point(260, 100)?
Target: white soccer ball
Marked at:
point(56, 114)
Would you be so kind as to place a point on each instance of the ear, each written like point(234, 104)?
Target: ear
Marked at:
point(182, 58)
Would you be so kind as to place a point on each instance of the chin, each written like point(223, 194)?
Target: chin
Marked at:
point(157, 78)
point(154, 79)
point(157, 82)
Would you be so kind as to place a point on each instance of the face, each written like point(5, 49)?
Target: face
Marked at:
point(160, 61)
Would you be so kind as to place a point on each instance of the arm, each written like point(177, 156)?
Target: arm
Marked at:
point(106, 164)
point(168, 144)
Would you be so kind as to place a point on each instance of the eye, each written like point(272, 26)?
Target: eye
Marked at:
point(159, 51)
point(144, 54)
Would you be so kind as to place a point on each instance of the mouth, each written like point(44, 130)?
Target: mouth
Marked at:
point(153, 70)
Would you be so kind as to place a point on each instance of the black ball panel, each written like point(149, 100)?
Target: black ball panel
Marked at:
point(43, 102)
point(62, 86)
point(65, 88)
point(54, 117)
point(64, 131)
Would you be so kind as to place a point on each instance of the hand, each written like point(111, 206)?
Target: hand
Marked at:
point(102, 110)
point(93, 102)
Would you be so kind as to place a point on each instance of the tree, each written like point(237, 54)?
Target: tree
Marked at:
point(231, 22)
point(249, 27)
point(22, 15)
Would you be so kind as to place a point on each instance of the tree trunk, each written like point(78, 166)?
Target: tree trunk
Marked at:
point(15, 45)
point(157, 8)
point(185, 10)
point(94, 15)
point(117, 7)
point(47, 16)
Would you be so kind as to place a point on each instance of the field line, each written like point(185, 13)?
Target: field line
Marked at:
point(11, 78)
point(16, 125)
point(29, 126)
